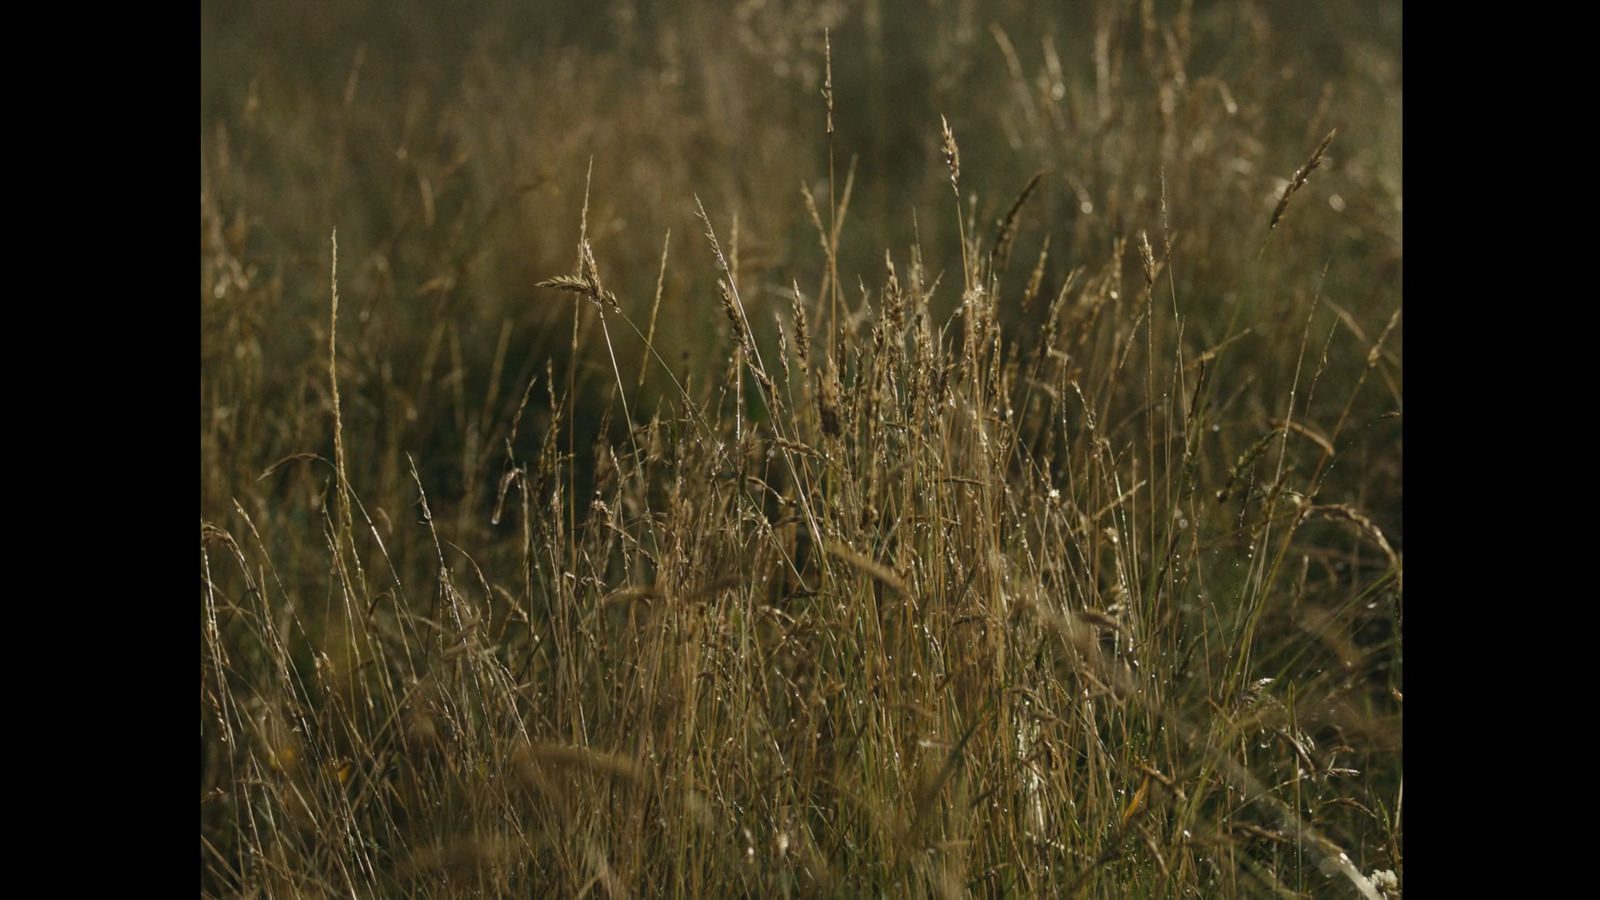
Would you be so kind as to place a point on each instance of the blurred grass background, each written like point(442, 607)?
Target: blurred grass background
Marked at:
point(450, 144)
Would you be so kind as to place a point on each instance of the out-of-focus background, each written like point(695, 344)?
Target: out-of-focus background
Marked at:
point(451, 145)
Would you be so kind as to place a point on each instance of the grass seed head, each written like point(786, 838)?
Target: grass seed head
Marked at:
point(952, 156)
point(1300, 176)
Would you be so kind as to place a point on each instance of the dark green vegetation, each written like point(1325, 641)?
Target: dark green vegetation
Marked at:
point(955, 531)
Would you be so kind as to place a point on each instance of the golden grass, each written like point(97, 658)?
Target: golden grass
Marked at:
point(642, 572)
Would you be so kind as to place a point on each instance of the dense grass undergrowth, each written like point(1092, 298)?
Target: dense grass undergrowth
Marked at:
point(822, 449)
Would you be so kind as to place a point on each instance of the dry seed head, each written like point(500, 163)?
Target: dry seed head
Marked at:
point(1250, 696)
point(711, 235)
point(952, 157)
point(1299, 179)
point(732, 313)
point(802, 331)
point(1036, 280)
point(894, 299)
point(1244, 461)
point(591, 271)
point(1348, 513)
point(827, 82)
point(569, 283)
point(1147, 256)
point(763, 379)
point(816, 218)
point(1008, 223)
point(783, 343)
point(796, 447)
point(587, 282)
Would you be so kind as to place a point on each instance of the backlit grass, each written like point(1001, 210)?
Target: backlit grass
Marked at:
point(801, 450)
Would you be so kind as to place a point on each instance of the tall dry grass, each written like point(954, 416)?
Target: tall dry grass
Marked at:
point(693, 467)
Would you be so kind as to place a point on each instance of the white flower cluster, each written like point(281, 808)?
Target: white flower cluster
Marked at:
point(1385, 880)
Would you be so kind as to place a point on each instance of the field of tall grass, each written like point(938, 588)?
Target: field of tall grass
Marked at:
point(844, 449)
